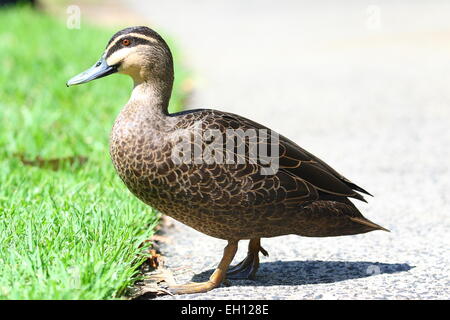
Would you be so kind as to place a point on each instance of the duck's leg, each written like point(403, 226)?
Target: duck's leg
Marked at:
point(247, 268)
point(216, 278)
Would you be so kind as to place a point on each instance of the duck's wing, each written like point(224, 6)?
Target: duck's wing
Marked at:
point(298, 167)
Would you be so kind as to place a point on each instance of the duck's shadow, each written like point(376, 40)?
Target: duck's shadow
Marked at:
point(313, 272)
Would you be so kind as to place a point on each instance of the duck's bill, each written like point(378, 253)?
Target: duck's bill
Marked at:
point(99, 70)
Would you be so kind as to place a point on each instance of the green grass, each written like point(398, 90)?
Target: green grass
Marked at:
point(71, 233)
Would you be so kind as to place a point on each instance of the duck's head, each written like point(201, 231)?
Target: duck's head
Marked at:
point(138, 52)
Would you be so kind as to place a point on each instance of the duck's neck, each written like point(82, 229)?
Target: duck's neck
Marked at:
point(150, 97)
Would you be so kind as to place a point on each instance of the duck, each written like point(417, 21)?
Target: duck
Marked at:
point(200, 166)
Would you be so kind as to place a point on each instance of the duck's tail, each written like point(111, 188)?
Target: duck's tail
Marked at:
point(368, 223)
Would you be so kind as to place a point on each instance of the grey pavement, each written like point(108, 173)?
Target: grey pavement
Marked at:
point(365, 86)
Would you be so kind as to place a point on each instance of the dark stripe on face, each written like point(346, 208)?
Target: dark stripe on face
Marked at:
point(140, 30)
point(134, 41)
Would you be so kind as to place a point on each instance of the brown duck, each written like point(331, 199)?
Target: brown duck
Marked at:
point(224, 199)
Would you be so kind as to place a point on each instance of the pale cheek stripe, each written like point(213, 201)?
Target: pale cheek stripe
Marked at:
point(119, 55)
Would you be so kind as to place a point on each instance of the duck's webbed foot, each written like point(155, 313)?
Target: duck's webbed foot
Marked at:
point(248, 267)
point(193, 287)
point(216, 278)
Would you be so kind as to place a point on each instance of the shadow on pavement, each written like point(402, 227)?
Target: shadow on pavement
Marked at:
point(312, 272)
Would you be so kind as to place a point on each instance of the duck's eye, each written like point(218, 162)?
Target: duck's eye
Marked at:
point(126, 42)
